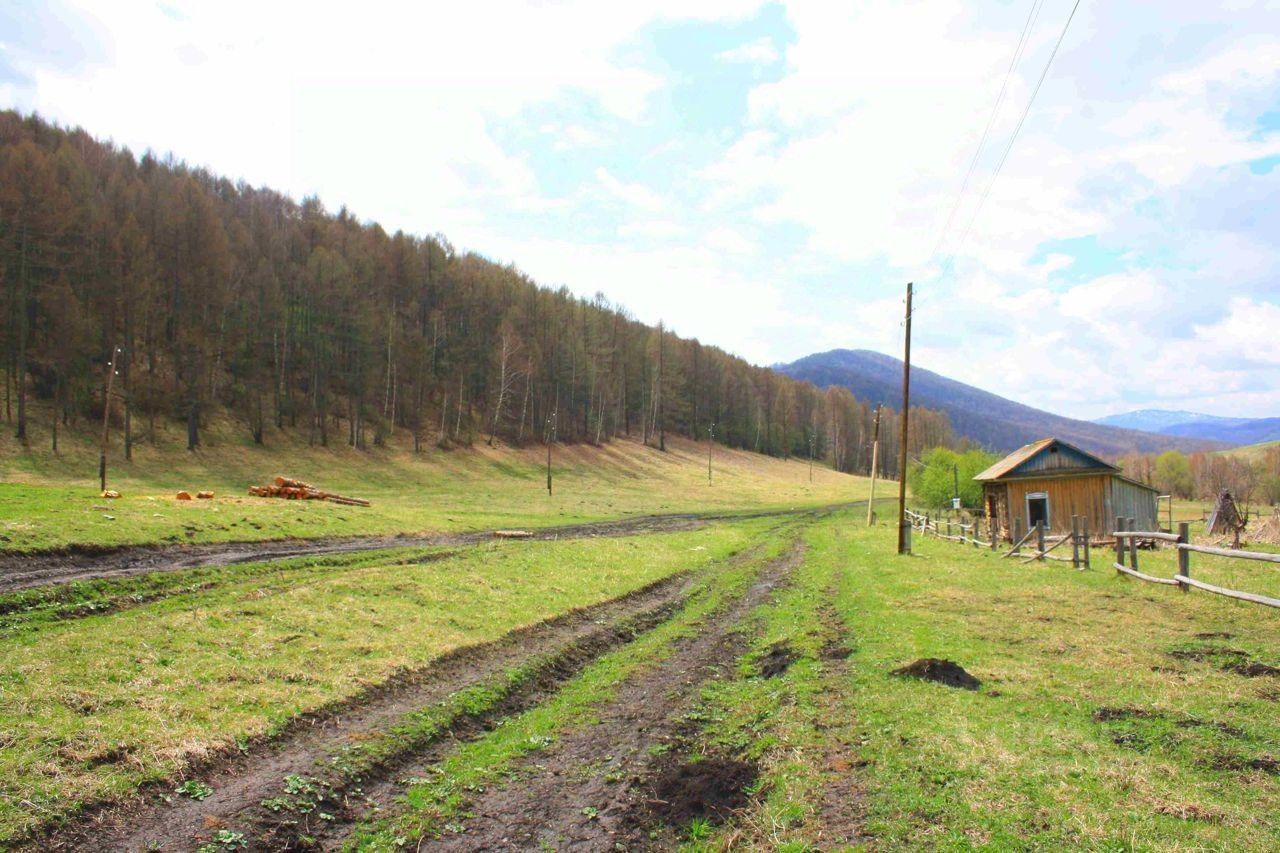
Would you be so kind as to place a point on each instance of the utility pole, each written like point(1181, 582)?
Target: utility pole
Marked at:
point(875, 467)
point(955, 470)
point(903, 545)
point(551, 437)
point(812, 440)
point(711, 434)
point(106, 419)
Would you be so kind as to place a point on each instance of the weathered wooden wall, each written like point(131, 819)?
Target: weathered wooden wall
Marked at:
point(1068, 496)
point(1054, 459)
point(1099, 498)
point(1131, 500)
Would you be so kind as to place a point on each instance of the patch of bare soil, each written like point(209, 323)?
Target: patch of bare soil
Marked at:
point(841, 814)
point(1228, 660)
point(46, 568)
point(776, 660)
point(708, 789)
point(157, 820)
point(940, 671)
point(589, 789)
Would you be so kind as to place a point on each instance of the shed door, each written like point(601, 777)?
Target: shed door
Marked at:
point(1037, 509)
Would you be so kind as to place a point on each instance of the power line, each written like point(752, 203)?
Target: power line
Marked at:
point(1009, 147)
point(1032, 15)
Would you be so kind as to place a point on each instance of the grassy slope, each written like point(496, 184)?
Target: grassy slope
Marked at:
point(1252, 452)
point(1024, 761)
point(51, 501)
point(178, 678)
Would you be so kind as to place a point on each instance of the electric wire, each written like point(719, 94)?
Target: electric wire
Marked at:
point(950, 262)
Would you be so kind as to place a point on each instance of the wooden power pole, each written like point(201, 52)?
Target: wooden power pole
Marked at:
point(903, 545)
point(875, 467)
point(711, 434)
point(551, 437)
point(106, 419)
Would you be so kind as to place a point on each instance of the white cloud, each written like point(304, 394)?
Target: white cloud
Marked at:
point(634, 194)
point(762, 51)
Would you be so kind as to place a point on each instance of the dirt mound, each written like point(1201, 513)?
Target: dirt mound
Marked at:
point(945, 672)
point(776, 661)
point(1253, 669)
point(712, 789)
point(1106, 714)
point(1228, 660)
point(1214, 635)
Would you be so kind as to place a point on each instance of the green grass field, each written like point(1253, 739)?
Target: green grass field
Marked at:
point(51, 501)
point(1112, 714)
point(162, 684)
point(1099, 723)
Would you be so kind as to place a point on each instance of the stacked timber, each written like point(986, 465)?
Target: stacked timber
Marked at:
point(296, 490)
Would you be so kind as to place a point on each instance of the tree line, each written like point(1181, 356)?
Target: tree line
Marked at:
point(1203, 476)
point(217, 296)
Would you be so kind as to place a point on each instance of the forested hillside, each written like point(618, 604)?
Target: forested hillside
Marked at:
point(221, 296)
point(987, 419)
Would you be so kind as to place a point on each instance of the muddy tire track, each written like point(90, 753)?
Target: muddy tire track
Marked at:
point(557, 649)
point(27, 571)
point(587, 789)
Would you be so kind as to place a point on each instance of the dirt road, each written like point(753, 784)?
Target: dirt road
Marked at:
point(25, 571)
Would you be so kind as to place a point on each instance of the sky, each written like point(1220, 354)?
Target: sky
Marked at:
point(765, 176)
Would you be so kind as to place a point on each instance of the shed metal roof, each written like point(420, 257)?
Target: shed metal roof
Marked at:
point(1010, 463)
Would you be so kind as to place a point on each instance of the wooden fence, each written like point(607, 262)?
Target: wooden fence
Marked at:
point(1128, 540)
point(1044, 545)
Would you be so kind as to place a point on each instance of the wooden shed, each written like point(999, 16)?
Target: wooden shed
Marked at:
point(1050, 481)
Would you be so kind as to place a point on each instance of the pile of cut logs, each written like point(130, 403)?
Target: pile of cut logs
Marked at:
point(296, 490)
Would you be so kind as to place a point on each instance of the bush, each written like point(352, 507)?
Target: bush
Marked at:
point(933, 478)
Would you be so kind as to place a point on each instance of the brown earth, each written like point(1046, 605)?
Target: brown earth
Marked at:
point(591, 789)
point(560, 647)
point(20, 571)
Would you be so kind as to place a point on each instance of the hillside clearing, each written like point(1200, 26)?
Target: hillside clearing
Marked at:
point(51, 502)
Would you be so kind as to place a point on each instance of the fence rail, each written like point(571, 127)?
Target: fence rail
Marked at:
point(1127, 541)
point(1044, 545)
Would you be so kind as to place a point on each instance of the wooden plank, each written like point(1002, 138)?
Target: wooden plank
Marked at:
point(1231, 593)
point(1140, 576)
point(1146, 534)
point(1227, 552)
point(1018, 545)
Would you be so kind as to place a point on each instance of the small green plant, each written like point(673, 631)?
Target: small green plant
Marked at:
point(591, 812)
point(700, 829)
point(194, 789)
point(224, 840)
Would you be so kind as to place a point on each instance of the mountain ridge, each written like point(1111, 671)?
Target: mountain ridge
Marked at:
point(1239, 431)
point(993, 421)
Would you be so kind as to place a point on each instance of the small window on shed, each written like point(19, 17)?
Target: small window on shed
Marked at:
point(1037, 509)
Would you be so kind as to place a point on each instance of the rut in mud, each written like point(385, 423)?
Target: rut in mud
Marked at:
point(591, 788)
point(26, 571)
point(555, 650)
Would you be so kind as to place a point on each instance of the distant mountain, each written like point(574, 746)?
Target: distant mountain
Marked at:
point(1197, 425)
point(987, 418)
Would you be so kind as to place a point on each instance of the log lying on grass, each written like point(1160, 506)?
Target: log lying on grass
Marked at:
point(296, 490)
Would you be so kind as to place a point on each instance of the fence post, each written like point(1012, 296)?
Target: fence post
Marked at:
point(1119, 544)
point(1133, 544)
point(1075, 541)
point(1084, 524)
point(1040, 541)
point(1017, 537)
point(1184, 556)
point(948, 527)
